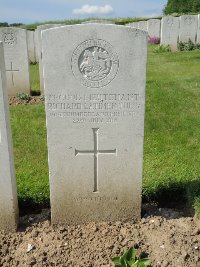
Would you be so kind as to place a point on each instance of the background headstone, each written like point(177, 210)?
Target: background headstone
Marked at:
point(153, 27)
point(98, 21)
point(198, 30)
point(36, 45)
point(16, 60)
point(142, 25)
point(31, 46)
point(133, 24)
point(39, 43)
point(95, 78)
point(170, 27)
point(188, 28)
point(8, 192)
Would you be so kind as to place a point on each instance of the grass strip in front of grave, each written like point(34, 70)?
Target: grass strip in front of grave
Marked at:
point(171, 148)
point(30, 150)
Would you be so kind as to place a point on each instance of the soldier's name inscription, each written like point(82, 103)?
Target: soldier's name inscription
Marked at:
point(98, 108)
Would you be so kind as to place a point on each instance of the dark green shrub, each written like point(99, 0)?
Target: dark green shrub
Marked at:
point(188, 46)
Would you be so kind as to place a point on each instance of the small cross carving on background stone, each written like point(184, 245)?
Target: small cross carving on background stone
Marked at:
point(12, 72)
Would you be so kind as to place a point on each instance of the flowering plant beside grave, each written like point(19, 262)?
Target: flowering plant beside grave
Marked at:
point(154, 40)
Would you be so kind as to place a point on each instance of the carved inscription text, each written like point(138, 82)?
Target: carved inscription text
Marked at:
point(100, 108)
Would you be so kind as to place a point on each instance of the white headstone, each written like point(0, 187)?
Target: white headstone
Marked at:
point(95, 78)
point(188, 28)
point(8, 192)
point(16, 60)
point(36, 45)
point(198, 30)
point(142, 25)
point(133, 24)
point(153, 27)
point(170, 27)
point(31, 46)
point(39, 40)
point(98, 21)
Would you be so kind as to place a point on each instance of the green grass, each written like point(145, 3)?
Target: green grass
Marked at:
point(172, 123)
point(172, 133)
point(30, 149)
point(34, 77)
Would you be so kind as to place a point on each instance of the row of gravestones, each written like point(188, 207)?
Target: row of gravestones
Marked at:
point(22, 47)
point(94, 79)
point(172, 30)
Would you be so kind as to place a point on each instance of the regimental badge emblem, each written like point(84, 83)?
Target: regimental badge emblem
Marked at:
point(9, 38)
point(170, 22)
point(188, 20)
point(95, 63)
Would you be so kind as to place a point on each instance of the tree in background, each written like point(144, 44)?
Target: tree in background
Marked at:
point(182, 6)
point(3, 24)
point(196, 5)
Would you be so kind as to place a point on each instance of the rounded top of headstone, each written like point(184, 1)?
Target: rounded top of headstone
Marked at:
point(48, 26)
point(98, 21)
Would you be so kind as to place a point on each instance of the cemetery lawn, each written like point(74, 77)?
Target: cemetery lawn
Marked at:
point(34, 77)
point(30, 150)
point(172, 135)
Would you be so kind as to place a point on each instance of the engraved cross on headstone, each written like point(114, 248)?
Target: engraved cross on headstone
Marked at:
point(12, 72)
point(95, 152)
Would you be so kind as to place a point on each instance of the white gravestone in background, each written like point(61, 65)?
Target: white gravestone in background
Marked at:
point(98, 21)
point(94, 77)
point(36, 45)
point(16, 60)
point(8, 192)
point(133, 24)
point(153, 27)
point(188, 28)
point(170, 27)
point(142, 25)
point(39, 42)
point(31, 46)
point(198, 30)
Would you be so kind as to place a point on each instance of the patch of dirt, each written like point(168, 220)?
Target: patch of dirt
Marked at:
point(168, 237)
point(163, 235)
point(14, 101)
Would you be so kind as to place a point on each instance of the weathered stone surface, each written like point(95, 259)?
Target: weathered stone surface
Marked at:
point(133, 24)
point(8, 192)
point(153, 27)
point(36, 45)
point(94, 77)
point(198, 30)
point(39, 49)
point(16, 59)
point(142, 25)
point(98, 21)
point(170, 27)
point(31, 46)
point(188, 28)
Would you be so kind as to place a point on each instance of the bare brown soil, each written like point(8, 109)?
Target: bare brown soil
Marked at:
point(164, 235)
point(167, 237)
point(31, 101)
